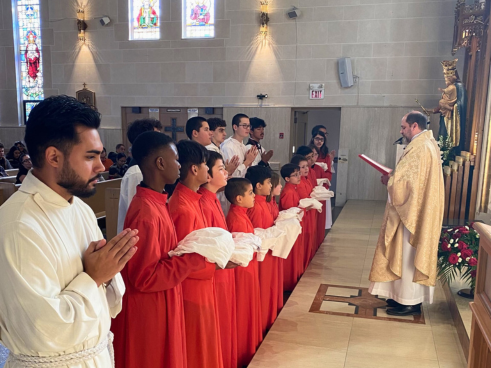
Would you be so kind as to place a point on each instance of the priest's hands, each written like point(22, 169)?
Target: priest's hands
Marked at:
point(103, 261)
point(250, 156)
point(266, 156)
point(232, 165)
point(385, 179)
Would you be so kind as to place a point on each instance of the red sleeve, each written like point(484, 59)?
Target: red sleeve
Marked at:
point(149, 270)
point(256, 217)
point(288, 200)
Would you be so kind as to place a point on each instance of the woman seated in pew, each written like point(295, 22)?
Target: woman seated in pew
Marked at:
point(13, 157)
point(107, 162)
point(26, 165)
point(119, 168)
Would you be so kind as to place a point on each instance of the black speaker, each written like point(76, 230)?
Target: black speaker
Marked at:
point(209, 110)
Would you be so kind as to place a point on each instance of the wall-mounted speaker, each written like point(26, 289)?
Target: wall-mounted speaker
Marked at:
point(345, 72)
point(293, 13)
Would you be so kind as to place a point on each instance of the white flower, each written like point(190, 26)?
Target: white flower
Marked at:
point(456, 231)
point(460, 259)
point(477, 236)
point(451, 241)
point(467, 227)
point(467, 259)
point(456, 245)
point(458, 254)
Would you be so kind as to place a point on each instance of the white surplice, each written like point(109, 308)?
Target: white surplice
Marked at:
point(48, 305)
point(259, 155)
point(214, 148)
point(131, 179)
point(232, 147)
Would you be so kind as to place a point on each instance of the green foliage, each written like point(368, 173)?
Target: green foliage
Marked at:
point(445, 144)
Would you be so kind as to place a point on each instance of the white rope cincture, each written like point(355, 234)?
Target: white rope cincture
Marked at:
point(28, 361)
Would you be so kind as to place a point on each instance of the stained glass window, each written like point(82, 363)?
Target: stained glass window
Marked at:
point(198, 18)
point(144, 19)
point(27, 30)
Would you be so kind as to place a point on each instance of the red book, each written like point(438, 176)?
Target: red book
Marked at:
point(379, 167)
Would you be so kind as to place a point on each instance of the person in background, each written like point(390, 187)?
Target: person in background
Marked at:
point(119, 168)
point(4, 162)
point(106, 161)
point(13, 157)
point(120, 148)
point(26, 165)
point(198, 130)
point(217, 127)
point(256, 134)
point(318, 142)
point(21, 147)
point(138, 127)
point(3, 174)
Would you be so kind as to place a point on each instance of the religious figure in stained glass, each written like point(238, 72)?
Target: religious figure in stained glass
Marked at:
point(32, 55)
point(198, 19)
point(145, 19)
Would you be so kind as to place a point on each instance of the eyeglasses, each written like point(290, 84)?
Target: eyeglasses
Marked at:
point(296, 175)
point(245, 126)
point(26, 161)
point(319, 140)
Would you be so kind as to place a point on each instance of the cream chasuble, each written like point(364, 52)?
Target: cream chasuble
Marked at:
point(413, 216)
point(48, 305)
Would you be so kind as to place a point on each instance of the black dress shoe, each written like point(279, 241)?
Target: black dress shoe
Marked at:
point(392, 303)
point(405, 310)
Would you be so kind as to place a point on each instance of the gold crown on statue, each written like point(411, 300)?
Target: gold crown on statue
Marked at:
point(449, 67)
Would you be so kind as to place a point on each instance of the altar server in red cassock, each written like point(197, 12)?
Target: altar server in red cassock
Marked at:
point(304, 189)
point(200, 312)
point(261, 217)
point(248, 298)
point(273, 207)
point(293, 266)
point(149, 331)
point(224, 279)
point(319, 144)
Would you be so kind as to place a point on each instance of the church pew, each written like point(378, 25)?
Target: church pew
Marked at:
point(8, 189)
point(12, 172)
point(8, 179)
point(97, 202)
point(105, 175)
point(112, 208)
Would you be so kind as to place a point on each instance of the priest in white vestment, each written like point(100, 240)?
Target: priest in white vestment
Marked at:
point(60, 283)
point(404, 265)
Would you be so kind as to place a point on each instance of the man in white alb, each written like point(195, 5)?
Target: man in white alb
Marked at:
point(133, 175)
point(217, 127)
point(61, 283)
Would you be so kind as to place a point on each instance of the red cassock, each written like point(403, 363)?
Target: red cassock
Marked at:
point(150, 330)
point(310, 234)
point(200, 311)
point(261, 217)
point(328, 172)
point(247, 294)
point(275, 211)
point(321, 217)
point(293, 266)
point(224, 284)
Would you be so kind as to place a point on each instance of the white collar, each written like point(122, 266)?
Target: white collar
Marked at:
point(412, 139)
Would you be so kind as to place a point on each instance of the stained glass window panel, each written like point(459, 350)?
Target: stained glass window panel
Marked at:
point(144, 19)
point(198, 18)
point(27, 25)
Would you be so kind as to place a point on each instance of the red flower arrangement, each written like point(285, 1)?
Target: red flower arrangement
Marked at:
point(457, 254)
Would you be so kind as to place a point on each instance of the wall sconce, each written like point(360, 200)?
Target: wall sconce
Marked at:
point(264, 17)
point(81, 25)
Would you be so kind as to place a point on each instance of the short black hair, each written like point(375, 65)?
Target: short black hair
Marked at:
point(141, 126)
point(120, 156)
point(257, 123)
point(288, 169)
point(257, 174)
point(236, 119)
point(296, 159)
point(119, 145)
point(213, 157)
point(317, 129)
point(192, 124)
point(304, 150)
point(236, 187)
point(1, 145)
point(419, 118)
point(190, 153)
point(54, 122)
point(147, 143)
point(216, 123)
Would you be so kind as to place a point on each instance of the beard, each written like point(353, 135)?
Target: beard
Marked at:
point(74, 184)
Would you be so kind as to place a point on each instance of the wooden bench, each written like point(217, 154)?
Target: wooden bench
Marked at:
point(12, 172)
point(98, 201)
point(112, 210)
point(8, 179)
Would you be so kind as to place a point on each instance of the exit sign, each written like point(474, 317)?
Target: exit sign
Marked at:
point(316, 91)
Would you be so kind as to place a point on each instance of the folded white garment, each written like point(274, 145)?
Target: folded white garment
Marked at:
point(269, 238)
point(213, 243)
point(321, 193)
point(292, 229)
point(246, 245)
point(292, 212)
point(323, 165)
point(323, 181)
point(307, 202)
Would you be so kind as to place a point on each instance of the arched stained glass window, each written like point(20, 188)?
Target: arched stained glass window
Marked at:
point(198, 18)
point(144, 19)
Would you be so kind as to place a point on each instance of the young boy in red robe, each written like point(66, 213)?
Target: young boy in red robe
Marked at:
point(224, 279)
point(261, 217)
point(200, 311)
point(304, 189)
point(293, 266)
point(149, 331)
point(320, 226)
point(240, 194)
point(275, 211)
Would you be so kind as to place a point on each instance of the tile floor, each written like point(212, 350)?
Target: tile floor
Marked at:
point(300, 339)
